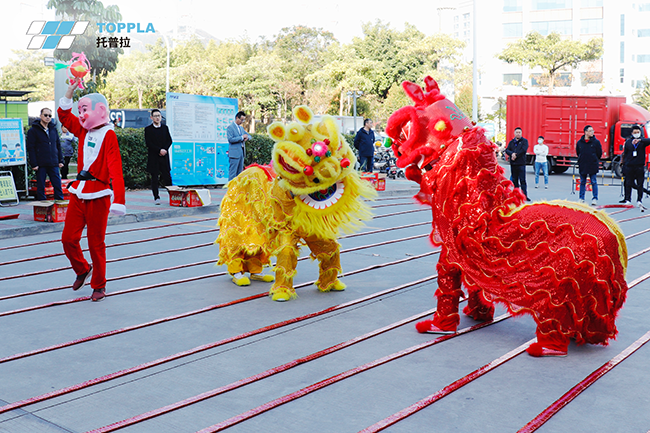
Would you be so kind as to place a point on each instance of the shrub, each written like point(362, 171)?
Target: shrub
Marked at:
point(134, 157)
point(258, 149)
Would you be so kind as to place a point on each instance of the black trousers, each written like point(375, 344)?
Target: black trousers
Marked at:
point(633, 179)
point(518, 177)
point(163, 176)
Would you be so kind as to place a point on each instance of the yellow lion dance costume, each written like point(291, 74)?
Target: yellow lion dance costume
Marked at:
point(309, 195)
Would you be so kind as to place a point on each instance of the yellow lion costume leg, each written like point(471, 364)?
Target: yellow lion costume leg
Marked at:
point(285, 268)
point(326, 251)
point(244, 236)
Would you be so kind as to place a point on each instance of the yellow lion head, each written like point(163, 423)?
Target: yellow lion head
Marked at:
point(309, 156)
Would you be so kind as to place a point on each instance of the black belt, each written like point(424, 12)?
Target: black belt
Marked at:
point(85, 175)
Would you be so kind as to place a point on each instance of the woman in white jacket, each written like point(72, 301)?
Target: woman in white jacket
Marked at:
point(541, 151)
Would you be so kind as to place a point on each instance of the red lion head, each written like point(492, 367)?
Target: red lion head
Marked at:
point(421, 133)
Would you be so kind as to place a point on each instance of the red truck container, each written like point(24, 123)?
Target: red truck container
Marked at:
point(561, 119)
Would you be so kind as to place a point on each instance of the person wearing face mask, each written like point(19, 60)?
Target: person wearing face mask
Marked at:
point(634, 160)
point(589, 151)
point(541, 163)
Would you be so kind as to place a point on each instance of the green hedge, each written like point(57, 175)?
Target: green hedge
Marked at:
point(134, 155)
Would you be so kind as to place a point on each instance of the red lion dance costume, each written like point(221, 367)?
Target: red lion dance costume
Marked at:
point(561, 262)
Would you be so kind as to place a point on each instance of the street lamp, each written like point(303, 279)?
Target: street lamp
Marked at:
point(355, 94)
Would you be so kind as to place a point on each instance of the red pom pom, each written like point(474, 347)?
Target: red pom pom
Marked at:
point(423, 326)
point(309, 152)
point(345, 163)
point(308, 170)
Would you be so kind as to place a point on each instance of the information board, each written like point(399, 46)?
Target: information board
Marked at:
point(8, 194)
point(197, 123)
point(12, 142)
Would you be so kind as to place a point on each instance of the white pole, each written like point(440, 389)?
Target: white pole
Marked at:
point(167, 44)
point(474, 68)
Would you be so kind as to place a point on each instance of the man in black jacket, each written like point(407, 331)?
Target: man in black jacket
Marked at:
point(634, 161)
point(516, 151)
point(158, 140)
point(364, 142)
point(589, 151)
point(45, 157)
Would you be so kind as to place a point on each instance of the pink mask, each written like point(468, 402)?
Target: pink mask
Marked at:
point(89, 118)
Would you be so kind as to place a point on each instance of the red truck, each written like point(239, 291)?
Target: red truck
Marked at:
point(561, 119)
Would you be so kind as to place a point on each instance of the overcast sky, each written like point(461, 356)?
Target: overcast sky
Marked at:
point(228, 19)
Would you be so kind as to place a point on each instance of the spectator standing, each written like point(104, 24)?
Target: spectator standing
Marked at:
point(45, 156)
point(541, 163)
point(634, 161)
point(67, 148)
point(364, 142)
point(589, 151)
point(237, 139)
point(516, 151)
point(158, 140)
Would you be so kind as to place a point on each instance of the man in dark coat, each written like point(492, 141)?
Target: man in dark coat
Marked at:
point(634, 161)
point(516, 151)
point(158, 140)
point(589, 151)
point(45, 157)
point(364, 142)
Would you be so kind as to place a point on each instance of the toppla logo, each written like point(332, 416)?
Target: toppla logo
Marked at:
point(50, 35)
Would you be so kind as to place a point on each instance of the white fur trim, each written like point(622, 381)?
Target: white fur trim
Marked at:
point(97, 137)
point(118, 209)
point(89, 195)
point(65, 103)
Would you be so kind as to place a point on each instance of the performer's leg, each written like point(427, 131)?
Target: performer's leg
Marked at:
point(478, 308)
point(240, 165)
point(522, 180)
point(232, 172)
point(446, 317)
point(594, 186)
point(285, 269)
point(550, 341)
point(75, 221)
point(639, 183)
point(514, 175)
point(97, 217)
point(329, 263)
point(583, 186)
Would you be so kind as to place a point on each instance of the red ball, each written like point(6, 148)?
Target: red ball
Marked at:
point(345, 163)
point(308, 170)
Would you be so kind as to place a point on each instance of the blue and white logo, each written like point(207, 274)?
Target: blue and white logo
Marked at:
point(50, 35)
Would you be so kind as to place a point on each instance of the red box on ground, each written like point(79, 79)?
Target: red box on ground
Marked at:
point(50, 211)
point(588, 186)
point(377, 180)
point(187, 197)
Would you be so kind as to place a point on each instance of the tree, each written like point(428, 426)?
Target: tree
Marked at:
point(28, 72)
point(552, 53)
point(642, 96)
point(136, 79)
point(101, 59)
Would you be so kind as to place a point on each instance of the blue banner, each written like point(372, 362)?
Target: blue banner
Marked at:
point(197, 123)
point(12, 143)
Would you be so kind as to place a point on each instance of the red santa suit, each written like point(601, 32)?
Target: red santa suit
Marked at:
point(90, 202)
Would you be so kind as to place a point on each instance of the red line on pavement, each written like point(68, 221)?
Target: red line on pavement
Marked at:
point(554, 408)
point(202, 348)
point(346, 374)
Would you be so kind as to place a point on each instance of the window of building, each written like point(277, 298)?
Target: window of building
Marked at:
point(562, 79)
point(466, 25)
point(455, 34)
point(622, 52)
point(538, 5)
point(546, 27)
point(622, 75)
point(592, 26)
point(466, 17)
point(640, 84)
point(512, 79)
point(512, 30)
point(643, 58)
point(622, 24)
point(643, 33)
point(591, 3)
point(456, 19)
point(591, 78)
point(644, 7)
point(511, 5)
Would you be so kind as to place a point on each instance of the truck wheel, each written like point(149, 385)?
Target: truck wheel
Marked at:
point(617, 169)
point(560, 169)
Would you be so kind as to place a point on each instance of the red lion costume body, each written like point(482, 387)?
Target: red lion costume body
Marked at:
point(561, 262)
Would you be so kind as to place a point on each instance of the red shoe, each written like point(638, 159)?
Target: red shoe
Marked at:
point(539, 351)
point(82, 279)
point(98, 295)
point(427, 327)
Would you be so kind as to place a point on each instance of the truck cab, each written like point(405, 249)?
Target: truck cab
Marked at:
point(629, 115)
